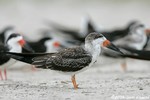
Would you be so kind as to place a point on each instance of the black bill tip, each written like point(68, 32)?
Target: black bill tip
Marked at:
point(113, 47)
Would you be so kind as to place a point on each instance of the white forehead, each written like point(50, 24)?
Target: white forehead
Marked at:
point(139, 30)
point(99, 40)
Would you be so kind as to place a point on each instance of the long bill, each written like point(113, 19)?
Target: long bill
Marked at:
point(25, 45)
point(111, 46)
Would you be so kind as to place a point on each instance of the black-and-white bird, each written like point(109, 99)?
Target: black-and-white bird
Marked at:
point(65, 40)
point(136, 39)
point(89, 26)
point(14, 43)
point(119, 32)
point(70, 60)
point(45, 44)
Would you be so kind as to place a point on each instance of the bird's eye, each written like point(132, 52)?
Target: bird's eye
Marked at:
point(98, 36)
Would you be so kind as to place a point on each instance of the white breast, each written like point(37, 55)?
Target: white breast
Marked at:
point(8, 64)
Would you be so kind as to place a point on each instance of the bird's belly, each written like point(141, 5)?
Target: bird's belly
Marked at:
point(8, 63)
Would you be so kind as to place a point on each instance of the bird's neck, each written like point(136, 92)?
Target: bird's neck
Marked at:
point(15, 48)
point(49, 46)
point(93, 49)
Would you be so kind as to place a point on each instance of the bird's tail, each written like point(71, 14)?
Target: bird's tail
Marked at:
point(25, 57)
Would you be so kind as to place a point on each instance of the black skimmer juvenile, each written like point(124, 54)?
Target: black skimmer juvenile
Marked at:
point(70, 60)
point(14, 43)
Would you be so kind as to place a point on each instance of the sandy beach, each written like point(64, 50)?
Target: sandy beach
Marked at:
point(106, 82)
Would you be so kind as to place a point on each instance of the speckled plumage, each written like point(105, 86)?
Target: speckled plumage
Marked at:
point(70, 60)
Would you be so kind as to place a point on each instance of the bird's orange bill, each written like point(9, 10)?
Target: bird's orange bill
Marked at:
point(147, 31)
point(106, 43)
point(25, 45)
point(111, 46)
point(56, 44)
point(22, 42)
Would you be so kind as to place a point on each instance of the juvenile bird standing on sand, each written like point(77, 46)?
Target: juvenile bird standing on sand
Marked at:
point(71, 60)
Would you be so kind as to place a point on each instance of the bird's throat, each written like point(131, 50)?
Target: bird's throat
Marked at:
point(94, 50)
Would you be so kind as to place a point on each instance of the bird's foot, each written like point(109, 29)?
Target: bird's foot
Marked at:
point(74, 82)
point(76, 87)
point(124, 66)
point(33, 68)
point(5, 74)
point(1, 77)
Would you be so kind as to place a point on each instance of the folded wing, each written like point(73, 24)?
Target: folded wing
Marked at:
point(72, 59)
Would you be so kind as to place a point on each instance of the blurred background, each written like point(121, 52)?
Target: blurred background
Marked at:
point(30, 15)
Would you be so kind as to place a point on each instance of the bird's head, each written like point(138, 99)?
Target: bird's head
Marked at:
point(16, 42)
point(53, 45)
point(98, 39)
point(139, 29)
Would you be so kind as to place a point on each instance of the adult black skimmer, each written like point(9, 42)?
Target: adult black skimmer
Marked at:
point(14, 43)
point(41, 45)
point(136, 39)
point(48, 44)
point(65, 41)
point(89, 26)
point(70, 60)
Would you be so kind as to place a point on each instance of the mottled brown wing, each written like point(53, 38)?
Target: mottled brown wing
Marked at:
point(73, 52)
point(70, 60)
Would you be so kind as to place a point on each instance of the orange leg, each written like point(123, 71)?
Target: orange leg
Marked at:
point(124, 66)
point(74, 82)
point(5, 73)
point(1, 74)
